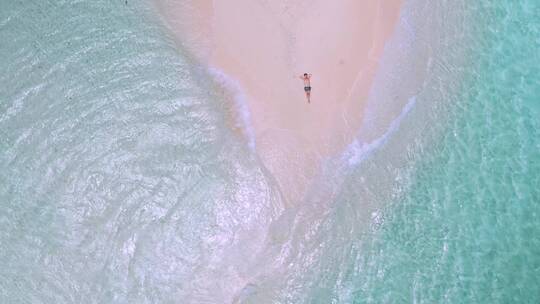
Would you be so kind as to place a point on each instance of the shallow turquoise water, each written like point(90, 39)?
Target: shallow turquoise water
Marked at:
point(120, 181)
point(468, 228)
point(118, 174)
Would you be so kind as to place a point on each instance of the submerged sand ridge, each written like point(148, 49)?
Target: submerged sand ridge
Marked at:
point(266, 45)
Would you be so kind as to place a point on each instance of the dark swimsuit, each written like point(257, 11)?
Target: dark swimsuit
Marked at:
point(307, 89)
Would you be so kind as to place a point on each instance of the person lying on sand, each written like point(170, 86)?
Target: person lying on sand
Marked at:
point(307, 85)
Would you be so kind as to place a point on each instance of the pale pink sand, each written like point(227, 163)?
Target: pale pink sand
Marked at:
point(266, 45)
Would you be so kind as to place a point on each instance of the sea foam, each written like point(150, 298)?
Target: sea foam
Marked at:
point(243, 120)
point(359, 150)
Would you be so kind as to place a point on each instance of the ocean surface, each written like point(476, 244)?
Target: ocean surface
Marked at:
point(122, 181)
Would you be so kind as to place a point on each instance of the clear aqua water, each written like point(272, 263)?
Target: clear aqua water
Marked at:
point(120, 181)
point(468, 229)
point(118, 174)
